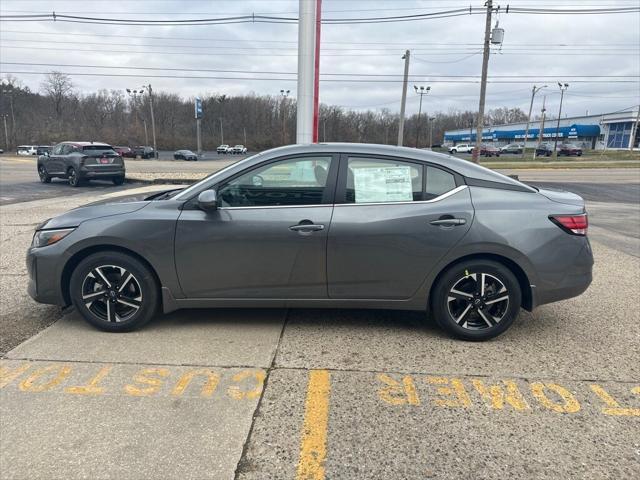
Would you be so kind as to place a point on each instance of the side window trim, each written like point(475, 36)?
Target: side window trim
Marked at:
point(328, 196)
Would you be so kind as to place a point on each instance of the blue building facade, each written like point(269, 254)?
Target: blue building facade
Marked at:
point(604, 131)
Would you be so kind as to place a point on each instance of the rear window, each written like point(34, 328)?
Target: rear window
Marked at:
point(438, 182)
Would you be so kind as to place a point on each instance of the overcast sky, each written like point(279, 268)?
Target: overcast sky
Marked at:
point(563, 47)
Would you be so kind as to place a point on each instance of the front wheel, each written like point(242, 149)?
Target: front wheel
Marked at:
point(114, 292)
point(44, 176)
point(476, 300)
point(118, 180)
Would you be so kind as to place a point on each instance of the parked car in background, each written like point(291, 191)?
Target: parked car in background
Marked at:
point(569, 149)
point(544, 150)
point(489, 151)
point(43, 149)
point(80, 161)
point(223, 149)
point(462, 148)
point(184, 155)
point(27, 150)
point(144, 152)
point(515, 148)
point(239, 149)
point(1, 151)
point(125, 152)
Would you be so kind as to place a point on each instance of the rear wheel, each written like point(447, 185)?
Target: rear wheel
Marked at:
point(118, 180)
point(73, 177)
point(44, 176)
point(114, 291)
point(476, 300)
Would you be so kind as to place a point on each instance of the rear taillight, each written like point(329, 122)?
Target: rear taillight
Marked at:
point(573, 224)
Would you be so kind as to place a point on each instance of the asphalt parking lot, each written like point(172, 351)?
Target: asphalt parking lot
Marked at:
point(326, 394)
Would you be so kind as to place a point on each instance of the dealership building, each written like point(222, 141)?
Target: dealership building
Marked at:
point(604, 131)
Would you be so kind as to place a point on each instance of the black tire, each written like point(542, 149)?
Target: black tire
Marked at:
point(474, 316)
point(74, 178)
point(118, 180)
point(42, 173)
point(141, 289)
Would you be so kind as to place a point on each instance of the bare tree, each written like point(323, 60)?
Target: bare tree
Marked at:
point(58, 86)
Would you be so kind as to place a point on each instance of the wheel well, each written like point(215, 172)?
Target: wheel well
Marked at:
point(73, 262)
point(521, 276)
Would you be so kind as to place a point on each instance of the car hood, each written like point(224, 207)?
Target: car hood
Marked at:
point(100, 209)
point(562, 196)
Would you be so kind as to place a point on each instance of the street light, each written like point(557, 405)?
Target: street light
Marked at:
point(526, 131)
point(563, 87)
point(422, 91)
point(431, 120)
point(285, 94)
point(134, 95)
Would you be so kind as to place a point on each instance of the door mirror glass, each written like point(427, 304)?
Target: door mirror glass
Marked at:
point(208, 200)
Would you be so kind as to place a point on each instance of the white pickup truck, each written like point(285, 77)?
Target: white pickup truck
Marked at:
point(224, 149)
point(462, 148)
point(240, 149)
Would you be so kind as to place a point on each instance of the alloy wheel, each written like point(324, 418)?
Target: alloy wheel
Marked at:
point(478, 301)
point(73, 178)
point(111, 293)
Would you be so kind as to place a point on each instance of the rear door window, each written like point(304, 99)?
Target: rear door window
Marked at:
point(376, 180)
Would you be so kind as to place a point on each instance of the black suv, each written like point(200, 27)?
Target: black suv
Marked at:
point(79, 161)
point(144, 152)
point(544, 150)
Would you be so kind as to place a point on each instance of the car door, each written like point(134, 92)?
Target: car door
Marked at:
point(392, 222)
point(268, 237)
point(53, 163)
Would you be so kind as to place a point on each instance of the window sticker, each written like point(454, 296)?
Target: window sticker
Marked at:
point(383, 184)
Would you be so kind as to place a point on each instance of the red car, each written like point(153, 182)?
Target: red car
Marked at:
point(489, 151)
point(569, 149)
point(124, 152)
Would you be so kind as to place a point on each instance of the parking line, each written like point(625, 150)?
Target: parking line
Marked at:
point(313, 446)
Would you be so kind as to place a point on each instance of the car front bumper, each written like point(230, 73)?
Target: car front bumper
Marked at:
point(45, 275)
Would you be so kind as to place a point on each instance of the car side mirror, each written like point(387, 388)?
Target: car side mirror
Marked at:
point(208, 200)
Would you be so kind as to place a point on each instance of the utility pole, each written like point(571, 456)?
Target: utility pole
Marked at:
point(153, 122)
point(283, 104)
point(483, 81)
point(309, 28)
point(134, 109)
point(222, 99)
point(431, 120)
point(6, 134)
point(563, 87)
point(244, 131)
point(406, 56)
point(634, 130)
point(146, 133)
point(541, 135)
point(526, 131)
point(221, 133)
point(422, 91)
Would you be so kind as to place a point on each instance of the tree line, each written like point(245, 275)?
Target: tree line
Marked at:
point(58, 112)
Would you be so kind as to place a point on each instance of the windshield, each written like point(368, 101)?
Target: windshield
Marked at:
point(187, 192)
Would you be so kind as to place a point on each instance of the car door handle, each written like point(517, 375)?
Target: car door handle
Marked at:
point(448, 222)
point(306, 227)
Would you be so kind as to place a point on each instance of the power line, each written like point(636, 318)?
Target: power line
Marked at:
point(254, 18)
point(295, 42)
point(237, 54)
point(293, 79)
point(271, 72)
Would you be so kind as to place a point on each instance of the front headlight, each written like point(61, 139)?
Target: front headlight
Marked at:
point(43, 238)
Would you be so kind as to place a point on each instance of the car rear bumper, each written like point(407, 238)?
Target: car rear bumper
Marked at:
point(575, 281)
point(99, 172)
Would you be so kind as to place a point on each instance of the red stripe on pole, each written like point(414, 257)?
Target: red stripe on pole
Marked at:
point(316, 73)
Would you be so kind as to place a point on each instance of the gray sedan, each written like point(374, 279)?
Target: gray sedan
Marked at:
point(331, 225)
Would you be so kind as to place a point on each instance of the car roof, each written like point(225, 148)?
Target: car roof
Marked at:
point(83, 144)
point(459, 165)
